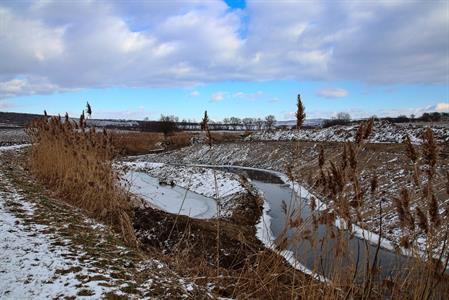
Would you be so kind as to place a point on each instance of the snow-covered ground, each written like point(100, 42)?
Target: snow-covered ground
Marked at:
point(383, 132)
point(13, 136)
point(31, 265)
point(195, 193)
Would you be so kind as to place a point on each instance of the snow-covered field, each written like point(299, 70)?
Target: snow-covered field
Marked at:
point(196, 191)
point(13, 136)
point(32, 265)
point(383, 132)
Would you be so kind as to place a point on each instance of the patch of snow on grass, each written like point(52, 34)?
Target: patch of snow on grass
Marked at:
point(383, 132)
point(29, 262)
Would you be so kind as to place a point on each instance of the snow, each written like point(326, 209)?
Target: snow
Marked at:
point(13, 147)
point(195, 193)
point(12, 136)
point(383, 132)
point(196, 179)
point(171, 199)
point(112, 123)
point(36, 262)
point(29, 260)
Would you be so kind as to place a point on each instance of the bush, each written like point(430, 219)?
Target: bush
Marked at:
point(333, 122)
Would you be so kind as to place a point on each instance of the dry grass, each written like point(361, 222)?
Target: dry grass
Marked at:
point(226, 137)
point(178, 140)
point(77, 164)
point(422, 276)
point(136, 143)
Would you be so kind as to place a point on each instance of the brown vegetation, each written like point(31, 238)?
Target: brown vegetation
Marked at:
point(77, 164)
point(136, 143)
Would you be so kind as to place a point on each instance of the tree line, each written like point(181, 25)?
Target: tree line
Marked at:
point(170, 123)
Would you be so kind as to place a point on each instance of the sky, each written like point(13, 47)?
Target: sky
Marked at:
point(243, 58)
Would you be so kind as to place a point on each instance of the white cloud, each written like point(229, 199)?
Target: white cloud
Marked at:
point(442, 107)
point(90, 44)
point(194, 94)
point(248, 96)
point(28, 86)
point(332, 93)
point(218, 96)
point(138, 113)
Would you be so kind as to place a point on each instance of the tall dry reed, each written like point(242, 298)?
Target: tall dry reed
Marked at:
point(76, 162)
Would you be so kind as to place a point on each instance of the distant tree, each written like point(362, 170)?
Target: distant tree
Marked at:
point(205, 127)
point(248, 123)
point(402, 119)
point(343, 116)
point(435, 116)
point(146, 119)
point(205, 121)
point(259, 123)
point(300, 113)
point(167, 124)
point(426, 117)
point(412, 116)
point(270, 120)
point(235, 122)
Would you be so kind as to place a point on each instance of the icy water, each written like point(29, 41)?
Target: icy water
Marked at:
point(320, 257)
point(171, 199)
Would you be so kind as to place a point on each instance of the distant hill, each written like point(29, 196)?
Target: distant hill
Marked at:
point(10, 119)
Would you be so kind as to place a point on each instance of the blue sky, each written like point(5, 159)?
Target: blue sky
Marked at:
point(234, 58)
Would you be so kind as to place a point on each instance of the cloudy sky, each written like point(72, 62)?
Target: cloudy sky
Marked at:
point(136, 59)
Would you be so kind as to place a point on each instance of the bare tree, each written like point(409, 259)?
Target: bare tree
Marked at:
point(269, 121)
point(259, 123)
point(344, 116)
point(167, 124)
point(235, 122)
point(248, 123)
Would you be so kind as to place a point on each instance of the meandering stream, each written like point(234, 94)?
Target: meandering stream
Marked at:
point(319, 257)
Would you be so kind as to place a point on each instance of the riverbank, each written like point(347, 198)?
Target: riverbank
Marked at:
point(385, 160)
